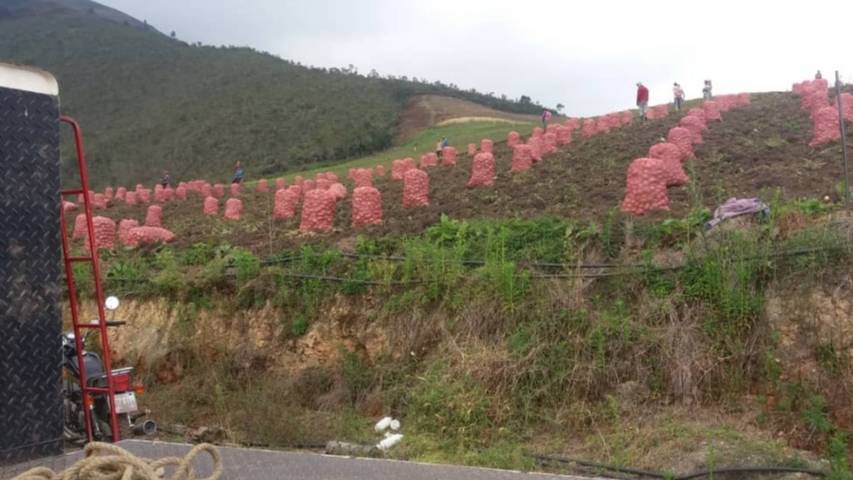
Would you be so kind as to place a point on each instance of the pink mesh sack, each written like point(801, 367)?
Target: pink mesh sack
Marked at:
point(99, 201)
point(323, 183)
point(521, 158)
point(429, 160)
point(588, 128)
point(825, 126)
point(285, 203)
point(682, 138)
point(712, 111)
point(448, 156)
point(154, 216)
point(362, 177)
point(695, 125)
point(233, 209)
point(397, 170)
point(482, 170)
point(105, 233)
point(318, 211)
point(671, 156)
point(338, 190)
point(79, 227)
point(149, 235)
point(415, 188)
point(211, 206)
point(143, 195)
point(512, 139)
point(536, 149)
point(124, 227)
point(645, 189)
point(550, 142)
point(698, 113)
point(366, 207)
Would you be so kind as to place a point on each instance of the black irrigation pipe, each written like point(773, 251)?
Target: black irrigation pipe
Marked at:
point(546, 460)
point(564, 266)
point(627, 269)
point(758, 469)
point(326, 278)
point(349, 280)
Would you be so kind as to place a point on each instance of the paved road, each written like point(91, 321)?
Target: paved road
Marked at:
point(255, 464)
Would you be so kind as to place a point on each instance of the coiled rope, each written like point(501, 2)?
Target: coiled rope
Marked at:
point(106, 461)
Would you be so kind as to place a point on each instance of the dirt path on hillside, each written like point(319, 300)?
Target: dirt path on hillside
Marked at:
point(424, 111)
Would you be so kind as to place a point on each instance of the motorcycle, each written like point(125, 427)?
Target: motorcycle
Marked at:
point(131, 420)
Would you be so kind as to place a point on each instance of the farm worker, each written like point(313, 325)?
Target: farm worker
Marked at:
point(818, 76)
point(546, 116)
point(438, 147)
point(678, 94)
point(444, 142)
point(706, 90)
point(165, 180)
point(642, 99)
point(238, 173)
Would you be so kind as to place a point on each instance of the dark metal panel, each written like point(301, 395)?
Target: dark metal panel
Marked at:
point(31, 415)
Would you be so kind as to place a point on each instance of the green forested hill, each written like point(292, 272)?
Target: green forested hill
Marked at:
point(149, 102)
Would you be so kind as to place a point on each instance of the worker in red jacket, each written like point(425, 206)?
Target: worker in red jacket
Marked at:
point(642, 99)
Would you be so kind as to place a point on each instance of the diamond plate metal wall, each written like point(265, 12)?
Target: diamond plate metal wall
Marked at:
point(31, 417)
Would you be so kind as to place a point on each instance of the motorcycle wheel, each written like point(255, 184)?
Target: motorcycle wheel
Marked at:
point(123, 425)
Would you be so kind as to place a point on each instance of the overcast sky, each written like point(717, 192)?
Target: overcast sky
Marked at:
point(585, 54)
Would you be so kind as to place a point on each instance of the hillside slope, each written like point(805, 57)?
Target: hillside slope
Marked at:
point(760, 150)
point(535, 319)
point(149, 102)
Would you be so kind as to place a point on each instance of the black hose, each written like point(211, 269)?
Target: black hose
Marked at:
point(758, 469)
point(569, 461)
point(545, 459)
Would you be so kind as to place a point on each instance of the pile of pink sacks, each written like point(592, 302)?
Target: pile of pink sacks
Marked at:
point(649, 177)
point(601, 124)
point(814, 99)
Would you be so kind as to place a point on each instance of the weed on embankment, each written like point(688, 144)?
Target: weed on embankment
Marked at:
point(492, 331)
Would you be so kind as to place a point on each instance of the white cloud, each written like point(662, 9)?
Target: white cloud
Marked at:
point(586, 55)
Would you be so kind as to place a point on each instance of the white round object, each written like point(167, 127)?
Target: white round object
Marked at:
point(389, 441)
point(395, 425)
point(111, 303)
point(383, 424)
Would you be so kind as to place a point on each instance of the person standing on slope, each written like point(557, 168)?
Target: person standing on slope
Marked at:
point(642, 99)
point(706, 90)
point(239, 173)
point(678, 96)
point(546, 117)
point(818, 76)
